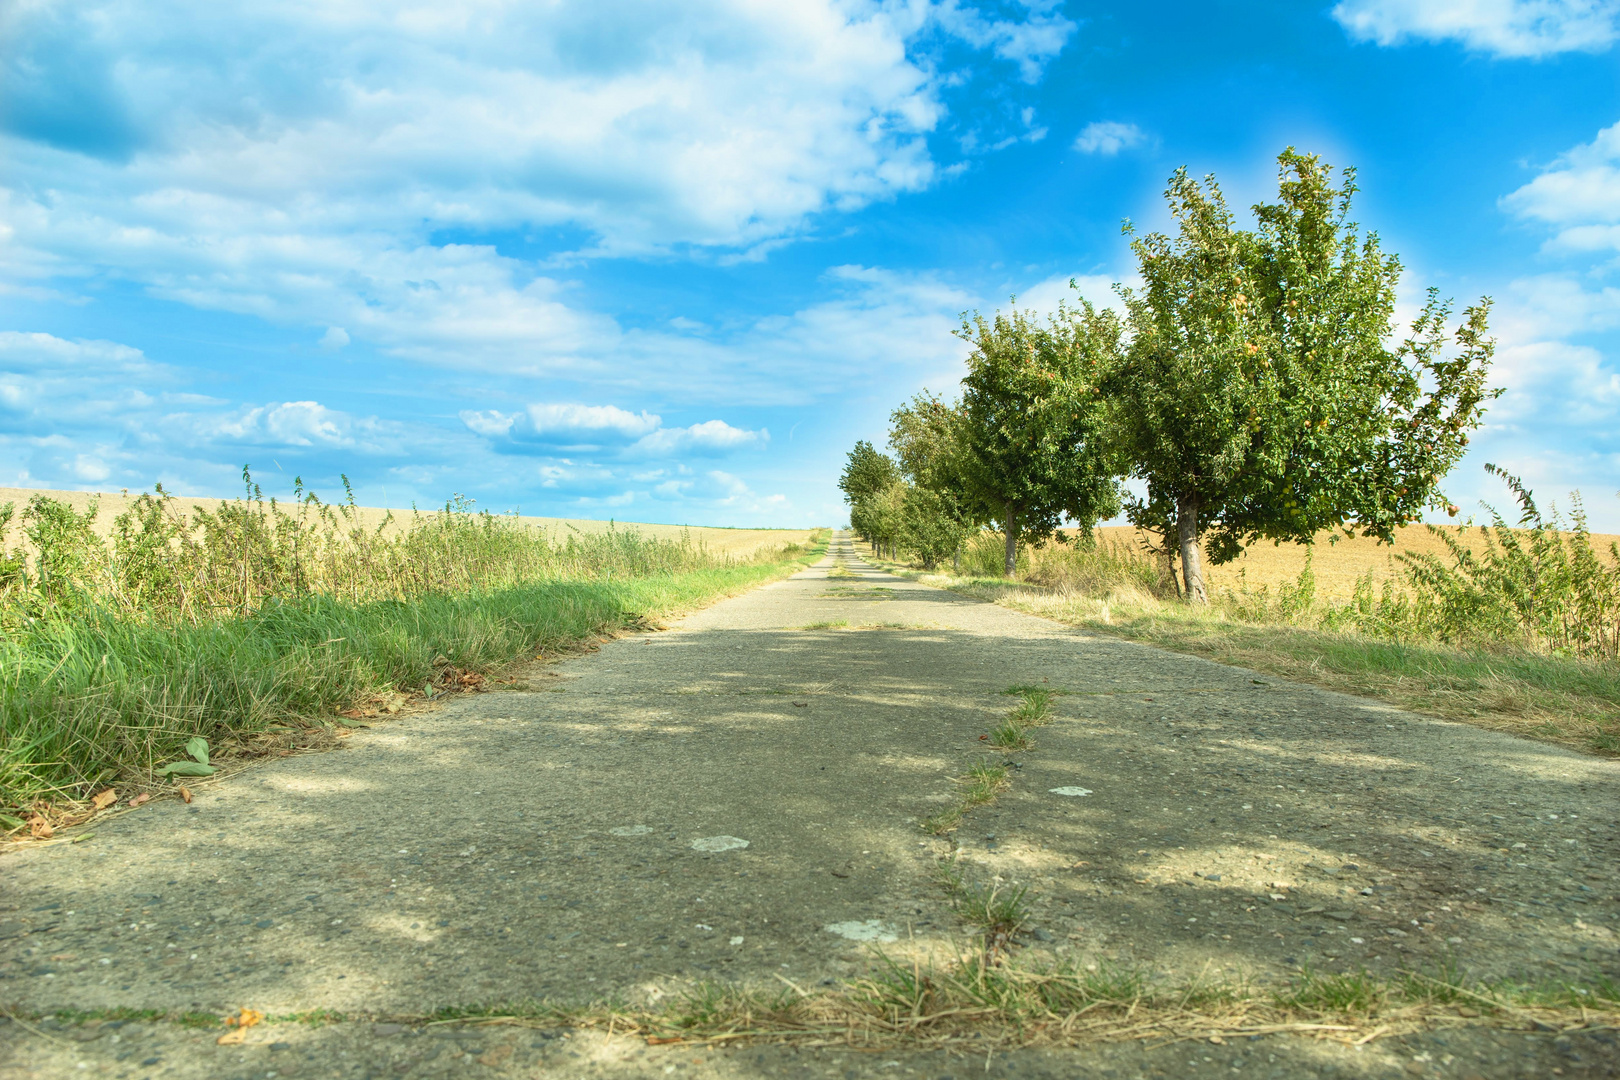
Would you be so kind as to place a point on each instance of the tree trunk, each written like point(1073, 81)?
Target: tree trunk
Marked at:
point(1192, 567)
point(1012, 541)
point(1167, 553)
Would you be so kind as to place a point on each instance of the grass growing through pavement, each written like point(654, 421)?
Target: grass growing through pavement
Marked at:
point(1003, 1003)
point(1033, 710)
point(980, 787)
point(997, 911)
point(253, 626)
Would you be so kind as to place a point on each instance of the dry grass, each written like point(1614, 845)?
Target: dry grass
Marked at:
point(735, 543)
point(1006, 1005)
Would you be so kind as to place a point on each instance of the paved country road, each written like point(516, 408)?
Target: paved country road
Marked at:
point(738, 799)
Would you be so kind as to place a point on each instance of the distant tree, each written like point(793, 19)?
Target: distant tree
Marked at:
point(879, 517)
point(1258, 397)
point(866, 471)
point(867, 479)
point(926, 436)
point(1033, 445)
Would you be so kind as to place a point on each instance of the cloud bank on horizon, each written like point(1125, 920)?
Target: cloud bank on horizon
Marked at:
point(669, 261)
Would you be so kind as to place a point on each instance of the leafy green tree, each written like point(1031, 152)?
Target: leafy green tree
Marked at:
point(930, 528)
point(1260, 395)
point(1033, 445)
point(879, 517)
point(866, 482)
point(926, 436)
point(867, 470)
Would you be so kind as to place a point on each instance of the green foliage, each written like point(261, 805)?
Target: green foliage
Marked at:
point(930, 528)
point(867, 472)
point(927, 438)
point(1258, 398)
point(876, 494)
point(1034, 446)
point(1538, 584)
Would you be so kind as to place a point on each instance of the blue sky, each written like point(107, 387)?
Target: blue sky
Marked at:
point(667, 262)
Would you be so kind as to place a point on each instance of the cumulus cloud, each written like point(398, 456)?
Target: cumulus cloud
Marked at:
point(1506, 28)
point(563, 427)
point(721, 122)
point(1578, 195)
point(708, 438)
point(554, 429)
point(304, 164)
point(1108, 137)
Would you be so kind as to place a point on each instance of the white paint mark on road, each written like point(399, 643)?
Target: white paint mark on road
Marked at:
point(870, 930)
point(719, 843)
point(1070, 791)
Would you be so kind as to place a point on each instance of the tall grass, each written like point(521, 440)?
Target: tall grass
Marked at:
point(1536, 585)
point(257, 618)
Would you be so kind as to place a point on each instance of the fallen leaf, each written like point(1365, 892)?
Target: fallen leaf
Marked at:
point(139, 799)
point(104, 799)
point(248, 1017)
point(40, 828)
point(655, 1040)
point(185, 794)
point(495, 1055)
point(187, 768)
point(233, 1037)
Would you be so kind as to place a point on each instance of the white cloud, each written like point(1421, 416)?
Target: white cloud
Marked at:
point(305, 165)
point(555, 430)
point(1108, 137)
point(709, 437)
point(292, 425)
point(1507, 28)
point(552, 427)
point(1579, 195)
point(1030, 43)
point(721, 123)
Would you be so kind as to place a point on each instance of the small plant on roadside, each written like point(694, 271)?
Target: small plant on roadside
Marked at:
point(197, 747)
point(1008, 735)
point(983, 784)
point(1349, 992)
point(1034, 710)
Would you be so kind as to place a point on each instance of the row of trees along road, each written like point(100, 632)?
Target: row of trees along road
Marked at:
point(1257, 386)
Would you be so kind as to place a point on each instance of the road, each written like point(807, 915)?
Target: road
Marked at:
point(582, 838)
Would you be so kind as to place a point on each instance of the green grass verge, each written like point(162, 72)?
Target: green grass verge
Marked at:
point(91, 698)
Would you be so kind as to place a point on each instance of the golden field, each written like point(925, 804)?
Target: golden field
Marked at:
point(736, 542)
point(1337, 565)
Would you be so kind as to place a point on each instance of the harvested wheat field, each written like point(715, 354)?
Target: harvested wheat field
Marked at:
point(738, 542)
point(1337, 566)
